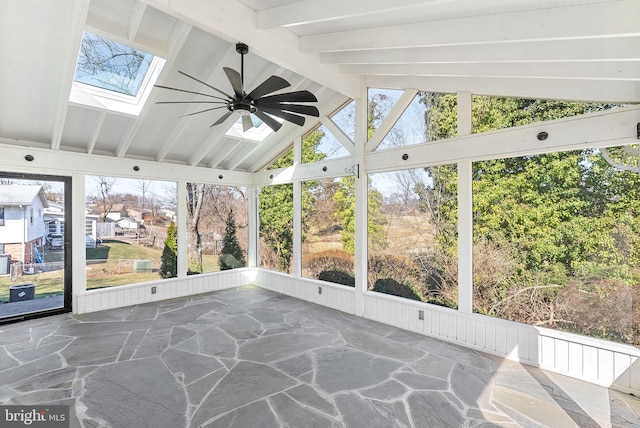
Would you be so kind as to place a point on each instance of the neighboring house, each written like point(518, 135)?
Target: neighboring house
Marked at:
point(22, 224)
point(54, 220)
point(128, 226)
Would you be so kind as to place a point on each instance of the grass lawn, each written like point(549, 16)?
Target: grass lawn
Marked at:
point(108, 265)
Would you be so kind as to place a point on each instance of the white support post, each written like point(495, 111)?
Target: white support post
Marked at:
point(79, 254)
point(465, 212)
point(181, 225)
point(361, 190)
point(253, 225)
point(297, 211)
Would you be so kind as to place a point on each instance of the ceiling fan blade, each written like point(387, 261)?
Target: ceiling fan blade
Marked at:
point(222, 119)
point(191, 102)
point(247, 123)
point(293, 118)
point(272, 84)
point(235, 79)
point(295, 108)
point(289, 97)
point(271, 122)
point(190, 92)
point(205, 84)
point(202, 111)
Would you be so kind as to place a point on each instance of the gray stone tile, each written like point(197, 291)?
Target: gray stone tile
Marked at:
point(296, 366)
point(41, 351)
point(244, 383)
point(6, 361)
point(189, 367)
point(390, 390)
point(215, 342)
point(434, 366)
point(419, 382)
point(365, 413)
point(280, 346)
point(433, 409)
point(117, 394)
point(200, 388)
point(88, 350)
point(381, 346)
point(258, 414)
point(179, 335)
point(292, 414)
point(308, 396)
point(31, 369)
point(55, 379)
point(342, 368)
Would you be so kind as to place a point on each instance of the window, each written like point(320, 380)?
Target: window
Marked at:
point(114, 76)
point(413, 234)
point(31, 216)
point(556, 240)
point(1, 216)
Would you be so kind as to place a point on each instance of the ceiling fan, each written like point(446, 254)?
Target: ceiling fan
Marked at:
point(258, 102)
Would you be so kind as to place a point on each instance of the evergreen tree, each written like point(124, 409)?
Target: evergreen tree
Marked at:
point(232, 256)
point(169, 258)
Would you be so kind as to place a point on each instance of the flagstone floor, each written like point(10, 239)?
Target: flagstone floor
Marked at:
point(248, 357)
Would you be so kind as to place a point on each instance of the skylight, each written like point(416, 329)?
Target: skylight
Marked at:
point(258, 133)
point(114, 76)
point(110, 65)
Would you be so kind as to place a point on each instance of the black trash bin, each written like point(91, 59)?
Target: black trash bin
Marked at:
point(22, 292)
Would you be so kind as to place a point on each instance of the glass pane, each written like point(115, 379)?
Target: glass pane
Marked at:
point(217, 236)
point(276, 227)
point(32, 216)
point(132, 231)
point(413, 234)
point(557, 239)
point(110, 65)
point(321, 144)
point(429, 117)
point(327, 244)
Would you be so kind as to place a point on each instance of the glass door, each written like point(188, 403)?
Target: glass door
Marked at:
point(35, 245)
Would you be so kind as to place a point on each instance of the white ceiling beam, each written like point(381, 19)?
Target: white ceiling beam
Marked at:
point(612, 70)
point(233, 21)
point(221, 153)
point(390, 120)
point(614, 48)
point(95, 131)
point(64, 163)
point(613, 91)
point(179, 38)
point(309, 11)
point(69, 59)
point(603, 129)
point(133, 24)
point(610, 19)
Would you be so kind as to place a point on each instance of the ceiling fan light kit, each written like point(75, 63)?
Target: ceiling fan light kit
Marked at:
point(260, 102)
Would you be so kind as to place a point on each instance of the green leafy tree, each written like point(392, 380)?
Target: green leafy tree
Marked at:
point(232, 256)
point(169, 258)
point(276, 205)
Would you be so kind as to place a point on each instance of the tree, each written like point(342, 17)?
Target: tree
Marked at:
point(276, 205)
point(232, 256)
point(105, 185)
point(169, 258)
point(195, 201)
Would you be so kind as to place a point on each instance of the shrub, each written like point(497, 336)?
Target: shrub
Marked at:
point(337, 277)
point(331, 260)
point(232, 256)
point(169, 258)
point(395, 288)
point(406, 276)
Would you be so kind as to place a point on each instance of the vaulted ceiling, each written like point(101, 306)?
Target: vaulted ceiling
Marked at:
point(555, 49)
